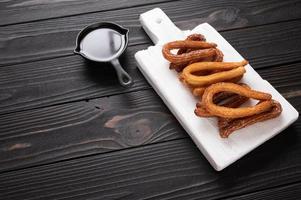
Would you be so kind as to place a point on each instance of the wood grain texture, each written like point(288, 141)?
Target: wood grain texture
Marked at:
point(82, 128)
point(75, 129)
point(288, 192)
point(169, 170)
point(60, 80)
point(129, 146)
point(49, 82)
point(285, 78)
point(265, 42)
point(12, 12)
point(23, 11)
point(56, 37)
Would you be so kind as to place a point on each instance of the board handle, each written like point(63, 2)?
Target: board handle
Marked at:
point(159, 27)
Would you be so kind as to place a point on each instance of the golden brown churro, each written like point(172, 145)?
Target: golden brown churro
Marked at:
point(203, 71)
point(228, 126)
point(221, 111)
point(227, 71)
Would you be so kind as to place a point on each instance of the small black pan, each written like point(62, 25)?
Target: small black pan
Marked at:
point(104, 42)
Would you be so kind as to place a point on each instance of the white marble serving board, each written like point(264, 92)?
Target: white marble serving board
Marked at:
point(204, 132)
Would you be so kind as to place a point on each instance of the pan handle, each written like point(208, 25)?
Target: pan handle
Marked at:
point(123, 77)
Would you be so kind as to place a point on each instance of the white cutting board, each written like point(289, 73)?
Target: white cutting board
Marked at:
point(204, 132)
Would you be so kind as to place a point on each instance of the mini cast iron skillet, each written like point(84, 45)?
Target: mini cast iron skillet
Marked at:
point(104, 42)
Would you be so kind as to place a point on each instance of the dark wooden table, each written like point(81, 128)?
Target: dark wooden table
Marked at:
point(69, 131)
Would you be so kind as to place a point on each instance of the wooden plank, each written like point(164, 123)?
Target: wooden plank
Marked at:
point(12, 12)
point(262, 44)
point(49, 82)
point(56, 37)
point(23, 11)
point(173, 169)
point(288, 192)
point(284, 78)
point(82, 128)
point(60, 80)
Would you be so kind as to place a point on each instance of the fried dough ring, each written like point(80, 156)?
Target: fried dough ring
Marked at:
point(221, 111)
point(232, 100)
point(235, 69)
point(180, 66)
point(203, 50)
point(203, 69)
point(199, 91)
point(224, 122)
point(216, 57)
point(226, 126)
point(193, 37)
